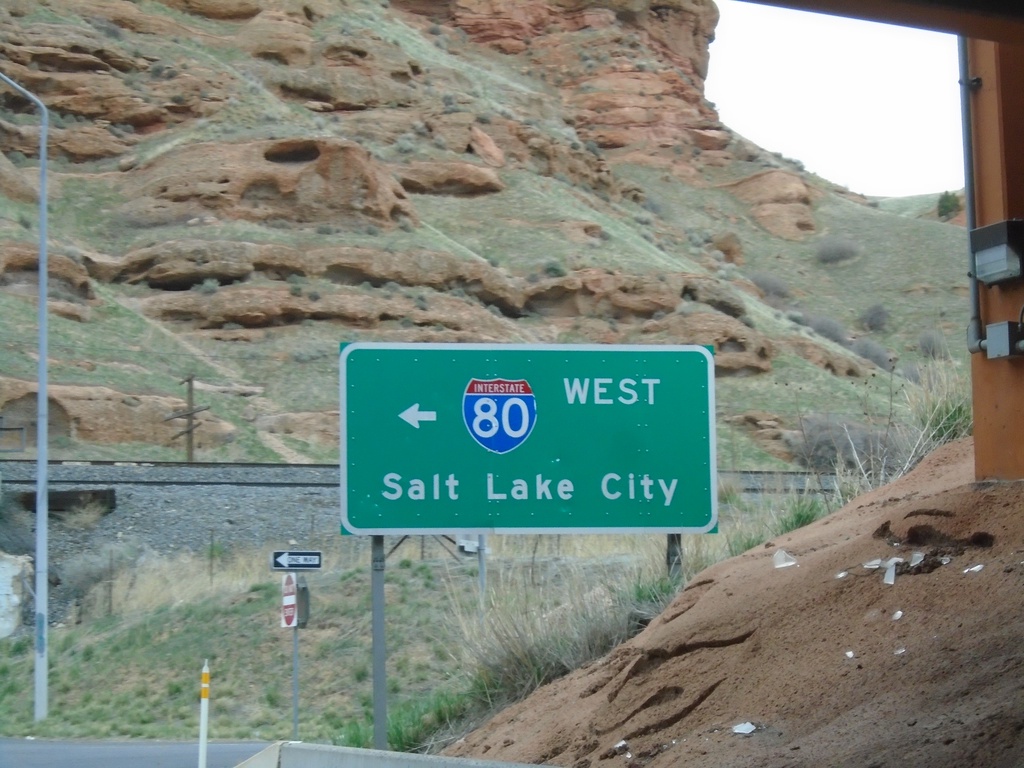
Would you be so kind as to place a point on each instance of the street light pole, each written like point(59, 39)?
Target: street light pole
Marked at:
point(42, 596)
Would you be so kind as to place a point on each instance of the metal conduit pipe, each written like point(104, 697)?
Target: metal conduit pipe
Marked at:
point(975, 340)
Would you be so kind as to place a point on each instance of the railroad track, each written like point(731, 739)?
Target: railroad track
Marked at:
point(20, 472)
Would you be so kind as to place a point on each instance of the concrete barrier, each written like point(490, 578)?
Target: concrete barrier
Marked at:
point(12, 569)
point(290, 754)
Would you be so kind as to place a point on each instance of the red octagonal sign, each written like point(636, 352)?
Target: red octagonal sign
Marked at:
point(288, 617)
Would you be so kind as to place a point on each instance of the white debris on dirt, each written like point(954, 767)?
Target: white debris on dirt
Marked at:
point(783, 559)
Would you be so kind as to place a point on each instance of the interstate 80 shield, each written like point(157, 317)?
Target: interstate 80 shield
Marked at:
point(499, 413)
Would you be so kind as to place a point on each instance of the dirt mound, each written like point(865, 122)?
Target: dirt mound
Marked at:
point(832, 665)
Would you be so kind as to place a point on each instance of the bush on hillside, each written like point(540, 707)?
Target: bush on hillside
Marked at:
point(830, 328)
point(827, 443)
point(835, 249)
point(948, 205)
point(771, 286)
point(871, 350)
point(874, 318)
point(932, 345)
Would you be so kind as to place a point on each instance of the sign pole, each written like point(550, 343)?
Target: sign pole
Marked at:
point(295, 682)
point(380, 689)
point(481, 559)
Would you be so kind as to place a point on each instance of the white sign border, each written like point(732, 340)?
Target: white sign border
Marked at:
point(348, 347)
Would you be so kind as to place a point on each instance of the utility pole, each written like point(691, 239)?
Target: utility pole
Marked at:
point(189, 415)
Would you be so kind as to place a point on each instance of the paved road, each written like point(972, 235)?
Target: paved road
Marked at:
point(39, 753)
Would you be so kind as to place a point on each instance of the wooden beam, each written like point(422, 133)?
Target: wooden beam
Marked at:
point(997, 107)
point(1001, 22)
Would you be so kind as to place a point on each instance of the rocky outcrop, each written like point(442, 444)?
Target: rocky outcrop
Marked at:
point(460, 179)
point(69, 287)
point(739, 350)
point(104, 415)
point(277, 305)
point(308, 426)
point(767, 430)
point(836, 363)
point(15, 185)
point(684, 28)
point(180, 265)
point(276, 36)
point(217, 9)
point(299, 180)
point(100, 92)
point(780, 201)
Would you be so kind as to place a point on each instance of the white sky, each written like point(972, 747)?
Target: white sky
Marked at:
point(873, 107)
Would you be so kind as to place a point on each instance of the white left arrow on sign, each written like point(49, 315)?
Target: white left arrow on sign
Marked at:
point(413, 415)
point(284, 559)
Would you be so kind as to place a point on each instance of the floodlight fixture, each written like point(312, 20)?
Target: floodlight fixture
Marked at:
point(997, 250)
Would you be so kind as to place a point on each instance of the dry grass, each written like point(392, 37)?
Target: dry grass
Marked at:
point(536, 627)
point(83, 517)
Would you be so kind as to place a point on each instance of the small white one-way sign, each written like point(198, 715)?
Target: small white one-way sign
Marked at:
point(295, 561)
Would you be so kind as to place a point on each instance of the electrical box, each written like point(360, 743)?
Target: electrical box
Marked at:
point(301, 602)
point(1003, 340)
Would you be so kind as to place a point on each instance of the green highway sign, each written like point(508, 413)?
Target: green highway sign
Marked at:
point(502, 438)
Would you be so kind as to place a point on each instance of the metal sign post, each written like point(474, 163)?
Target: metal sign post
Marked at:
point(380, 687)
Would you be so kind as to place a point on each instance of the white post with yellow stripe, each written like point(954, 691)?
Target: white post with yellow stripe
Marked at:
point(204, 712)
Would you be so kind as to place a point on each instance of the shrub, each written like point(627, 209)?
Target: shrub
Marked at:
point(208, 286)
point(932, 345)
point(826, 444)
point(874, 318)
point(770, 285)
point(876, 353)
point(948, 205)
point(829, 328)
point(835, 249)
point(405, 144)
point(554, 269)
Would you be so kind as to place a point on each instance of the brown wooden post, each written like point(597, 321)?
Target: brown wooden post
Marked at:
point(997, 107)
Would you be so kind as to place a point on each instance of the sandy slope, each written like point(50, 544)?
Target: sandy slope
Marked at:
point(940, 686)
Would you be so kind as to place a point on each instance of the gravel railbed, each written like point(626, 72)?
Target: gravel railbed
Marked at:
point(157, 519)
